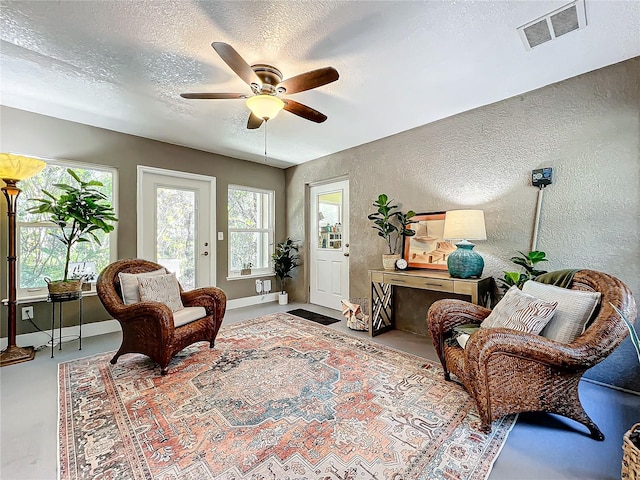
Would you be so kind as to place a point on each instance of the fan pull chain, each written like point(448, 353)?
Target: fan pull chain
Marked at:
point(265, 140)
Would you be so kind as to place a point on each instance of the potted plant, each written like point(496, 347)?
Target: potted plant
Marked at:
point(285, 259)
point(527, 261)
point(79, 211)
point(392, 225)
point(246, 268)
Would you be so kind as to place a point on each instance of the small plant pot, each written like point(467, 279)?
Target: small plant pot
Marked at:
point(245, 271)
point(389, 261)
point(283, 298)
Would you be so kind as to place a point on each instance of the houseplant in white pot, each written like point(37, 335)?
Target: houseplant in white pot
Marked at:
point(79, 212)
point(392, 225)
point(285, 259)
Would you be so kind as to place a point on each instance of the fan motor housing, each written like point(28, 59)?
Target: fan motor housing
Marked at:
point(269, 75)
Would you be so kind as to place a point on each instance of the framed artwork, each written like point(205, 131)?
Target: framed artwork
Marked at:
point(427, 248)
point(84, 270)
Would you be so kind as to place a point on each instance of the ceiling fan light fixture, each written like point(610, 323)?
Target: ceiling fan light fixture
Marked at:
point(265, 106)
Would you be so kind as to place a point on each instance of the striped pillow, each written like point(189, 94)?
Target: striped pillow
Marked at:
point(163, 289)
point(520, 311)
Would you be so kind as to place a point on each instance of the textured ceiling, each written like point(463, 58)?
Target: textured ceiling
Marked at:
point(121, 65)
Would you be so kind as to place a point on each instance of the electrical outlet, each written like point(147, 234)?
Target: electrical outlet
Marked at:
point(27, 313)
point(259, 286)
point(266, 285)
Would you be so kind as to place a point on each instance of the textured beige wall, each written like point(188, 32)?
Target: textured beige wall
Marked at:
point(31, 134)
point(586, 128)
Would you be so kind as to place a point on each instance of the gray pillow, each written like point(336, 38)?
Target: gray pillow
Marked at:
point(129, 284)
point(574, 310)
point(163, 289)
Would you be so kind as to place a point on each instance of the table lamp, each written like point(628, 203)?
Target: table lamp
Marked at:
point(14, 168)
point(464, 225)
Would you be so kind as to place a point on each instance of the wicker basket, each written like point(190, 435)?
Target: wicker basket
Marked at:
point(60, 288)
point(630, 457)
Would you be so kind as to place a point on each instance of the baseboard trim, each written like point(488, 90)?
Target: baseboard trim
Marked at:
point(38, 339)
point(253, 300)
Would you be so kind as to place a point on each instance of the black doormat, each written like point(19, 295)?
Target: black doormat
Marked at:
point(313, 316)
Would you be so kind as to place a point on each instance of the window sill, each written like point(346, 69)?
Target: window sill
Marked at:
point(43, 298)
point(253, 275)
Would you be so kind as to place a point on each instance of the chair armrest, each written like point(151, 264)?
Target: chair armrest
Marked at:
point(443, 315)
point(159, 312)
point(212, 299)
point(525, 346)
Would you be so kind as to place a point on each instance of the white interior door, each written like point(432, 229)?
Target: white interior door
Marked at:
point(329, 244)
point(176, 223)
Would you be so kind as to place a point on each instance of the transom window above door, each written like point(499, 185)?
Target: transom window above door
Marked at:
point(251, 230)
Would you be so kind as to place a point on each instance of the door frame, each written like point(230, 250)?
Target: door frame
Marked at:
point(308, 229)
point(141, 171)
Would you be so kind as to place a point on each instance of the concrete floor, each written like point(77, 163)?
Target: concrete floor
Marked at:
point(540, 446)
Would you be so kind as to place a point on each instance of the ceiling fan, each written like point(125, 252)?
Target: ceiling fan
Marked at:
point(266, 84)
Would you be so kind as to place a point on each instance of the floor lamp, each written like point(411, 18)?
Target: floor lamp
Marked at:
point(14, 168)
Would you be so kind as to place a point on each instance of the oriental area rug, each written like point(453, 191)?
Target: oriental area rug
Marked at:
point(278, 398)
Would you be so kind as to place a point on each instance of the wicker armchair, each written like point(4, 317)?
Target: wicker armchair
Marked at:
point(506, 371)
point(148, 327)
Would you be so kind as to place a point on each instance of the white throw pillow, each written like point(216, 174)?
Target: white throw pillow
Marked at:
point(574, 310)
point(462, 339)
point(129, 284)
point(519, 311)
point(163, 289)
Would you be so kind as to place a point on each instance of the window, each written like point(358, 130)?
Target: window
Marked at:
point(251, 226)
point(40, 254)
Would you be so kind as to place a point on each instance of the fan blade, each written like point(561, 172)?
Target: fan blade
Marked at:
point(304, 111)
point(254, 121)
point(236, 62)
point(213, 96)
point(309, 80)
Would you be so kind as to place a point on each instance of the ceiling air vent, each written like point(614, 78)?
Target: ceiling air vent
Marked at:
point(566, 19)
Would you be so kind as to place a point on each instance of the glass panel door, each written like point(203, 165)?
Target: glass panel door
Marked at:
point(329, 211)
point(176, 233)
point(176, 221)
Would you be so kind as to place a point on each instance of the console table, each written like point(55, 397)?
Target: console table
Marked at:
point(381, 318)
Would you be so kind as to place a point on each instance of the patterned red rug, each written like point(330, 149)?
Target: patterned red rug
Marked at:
point(278, 398)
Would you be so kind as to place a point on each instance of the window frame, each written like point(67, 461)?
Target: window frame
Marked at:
point(41, 293)
point(270, 230)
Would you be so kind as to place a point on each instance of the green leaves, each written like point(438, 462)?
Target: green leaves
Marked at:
point(78, 211)
point(528, 262)
point(383, 221)
point(632, 330)
point(285, 259)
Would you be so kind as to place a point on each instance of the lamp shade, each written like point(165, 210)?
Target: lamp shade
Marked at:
point(464, 225)
point(17, 167)
point(265, 106)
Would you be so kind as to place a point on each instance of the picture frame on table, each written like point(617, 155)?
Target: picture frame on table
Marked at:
point(427, 248)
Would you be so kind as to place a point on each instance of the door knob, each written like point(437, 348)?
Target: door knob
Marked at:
point(346, 254)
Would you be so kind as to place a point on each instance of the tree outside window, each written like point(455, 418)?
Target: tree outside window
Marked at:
point(251, 229)
point(39, 253)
